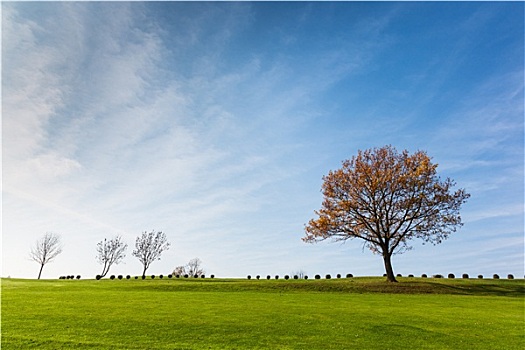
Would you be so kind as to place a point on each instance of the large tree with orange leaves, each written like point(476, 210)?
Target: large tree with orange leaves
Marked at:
point(387, 199)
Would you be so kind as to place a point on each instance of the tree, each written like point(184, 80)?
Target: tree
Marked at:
point(300, 274)
point(148, 248)
point(192, 268)
point(387, 199)
point(179, 271)
point(45, 250)
point(110, 252)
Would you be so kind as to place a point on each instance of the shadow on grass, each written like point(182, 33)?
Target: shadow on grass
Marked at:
point(358, 285)
point(506, 288)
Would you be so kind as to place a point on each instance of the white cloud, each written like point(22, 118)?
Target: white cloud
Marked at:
point(52, 166)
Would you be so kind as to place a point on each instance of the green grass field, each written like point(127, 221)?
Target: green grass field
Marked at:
point(356, 313)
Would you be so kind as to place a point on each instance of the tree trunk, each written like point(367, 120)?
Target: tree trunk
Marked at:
point(104, 271)
point(390, 277)
point(144, 272)
point(40, 272)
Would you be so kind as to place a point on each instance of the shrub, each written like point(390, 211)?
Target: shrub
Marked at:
point(152, 277)
point(338, 275)
point(195, 276)
point(268, 277)
point(317, 277)
point(286, 277)
point(161, 276)
point(170, 276)
point(437, 276)
point(249, 277)
point(136, 277)
point(495, 276)
point(451, 275)
point(510, 277)
point(276, 277)
point(328, 277)
point(295, 277)
point(72, 277)
point(212, 276)
point(128, 277)
point(399, 275)
point(305, 277)
point(465, 276)
point(203, 276)
point(78, 277)
point(112, 277)
point(177, 276)
point(480, 277)
point(424, 275)
point(98, 277)
point(120, 277)
point(411, 276)
point(384, 275)
point(186, 276)
point(349, 275)
point(258, 277)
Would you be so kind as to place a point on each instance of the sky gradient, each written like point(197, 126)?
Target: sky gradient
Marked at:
point(215, 123)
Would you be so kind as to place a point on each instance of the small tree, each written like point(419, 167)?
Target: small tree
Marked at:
point(179, 271)
point(110, 252)
point(387, 199)
point(45, 250)
point(300, 274)
point(192, 268)
point(149, 247)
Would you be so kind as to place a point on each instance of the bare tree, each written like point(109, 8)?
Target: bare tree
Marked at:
point(300, 274)
point(179, 271)
point(148, 248)
point(110, 252)
point(192, 268)
point(387, 199)
point(45, 250)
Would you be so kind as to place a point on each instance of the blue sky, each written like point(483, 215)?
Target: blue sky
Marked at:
point(215, 122)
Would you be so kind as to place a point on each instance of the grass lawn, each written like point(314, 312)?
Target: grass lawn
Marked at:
point(356, 313)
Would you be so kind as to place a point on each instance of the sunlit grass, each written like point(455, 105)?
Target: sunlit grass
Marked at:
point(360, 313)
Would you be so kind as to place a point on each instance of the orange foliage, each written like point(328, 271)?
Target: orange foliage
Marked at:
point(387, 198)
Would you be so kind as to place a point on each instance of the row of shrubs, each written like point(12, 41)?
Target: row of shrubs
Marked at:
point(286, 277)
point(112, 277)
point(451, 275)
point(69, 277)
point(349, 275)
point(296, 277)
